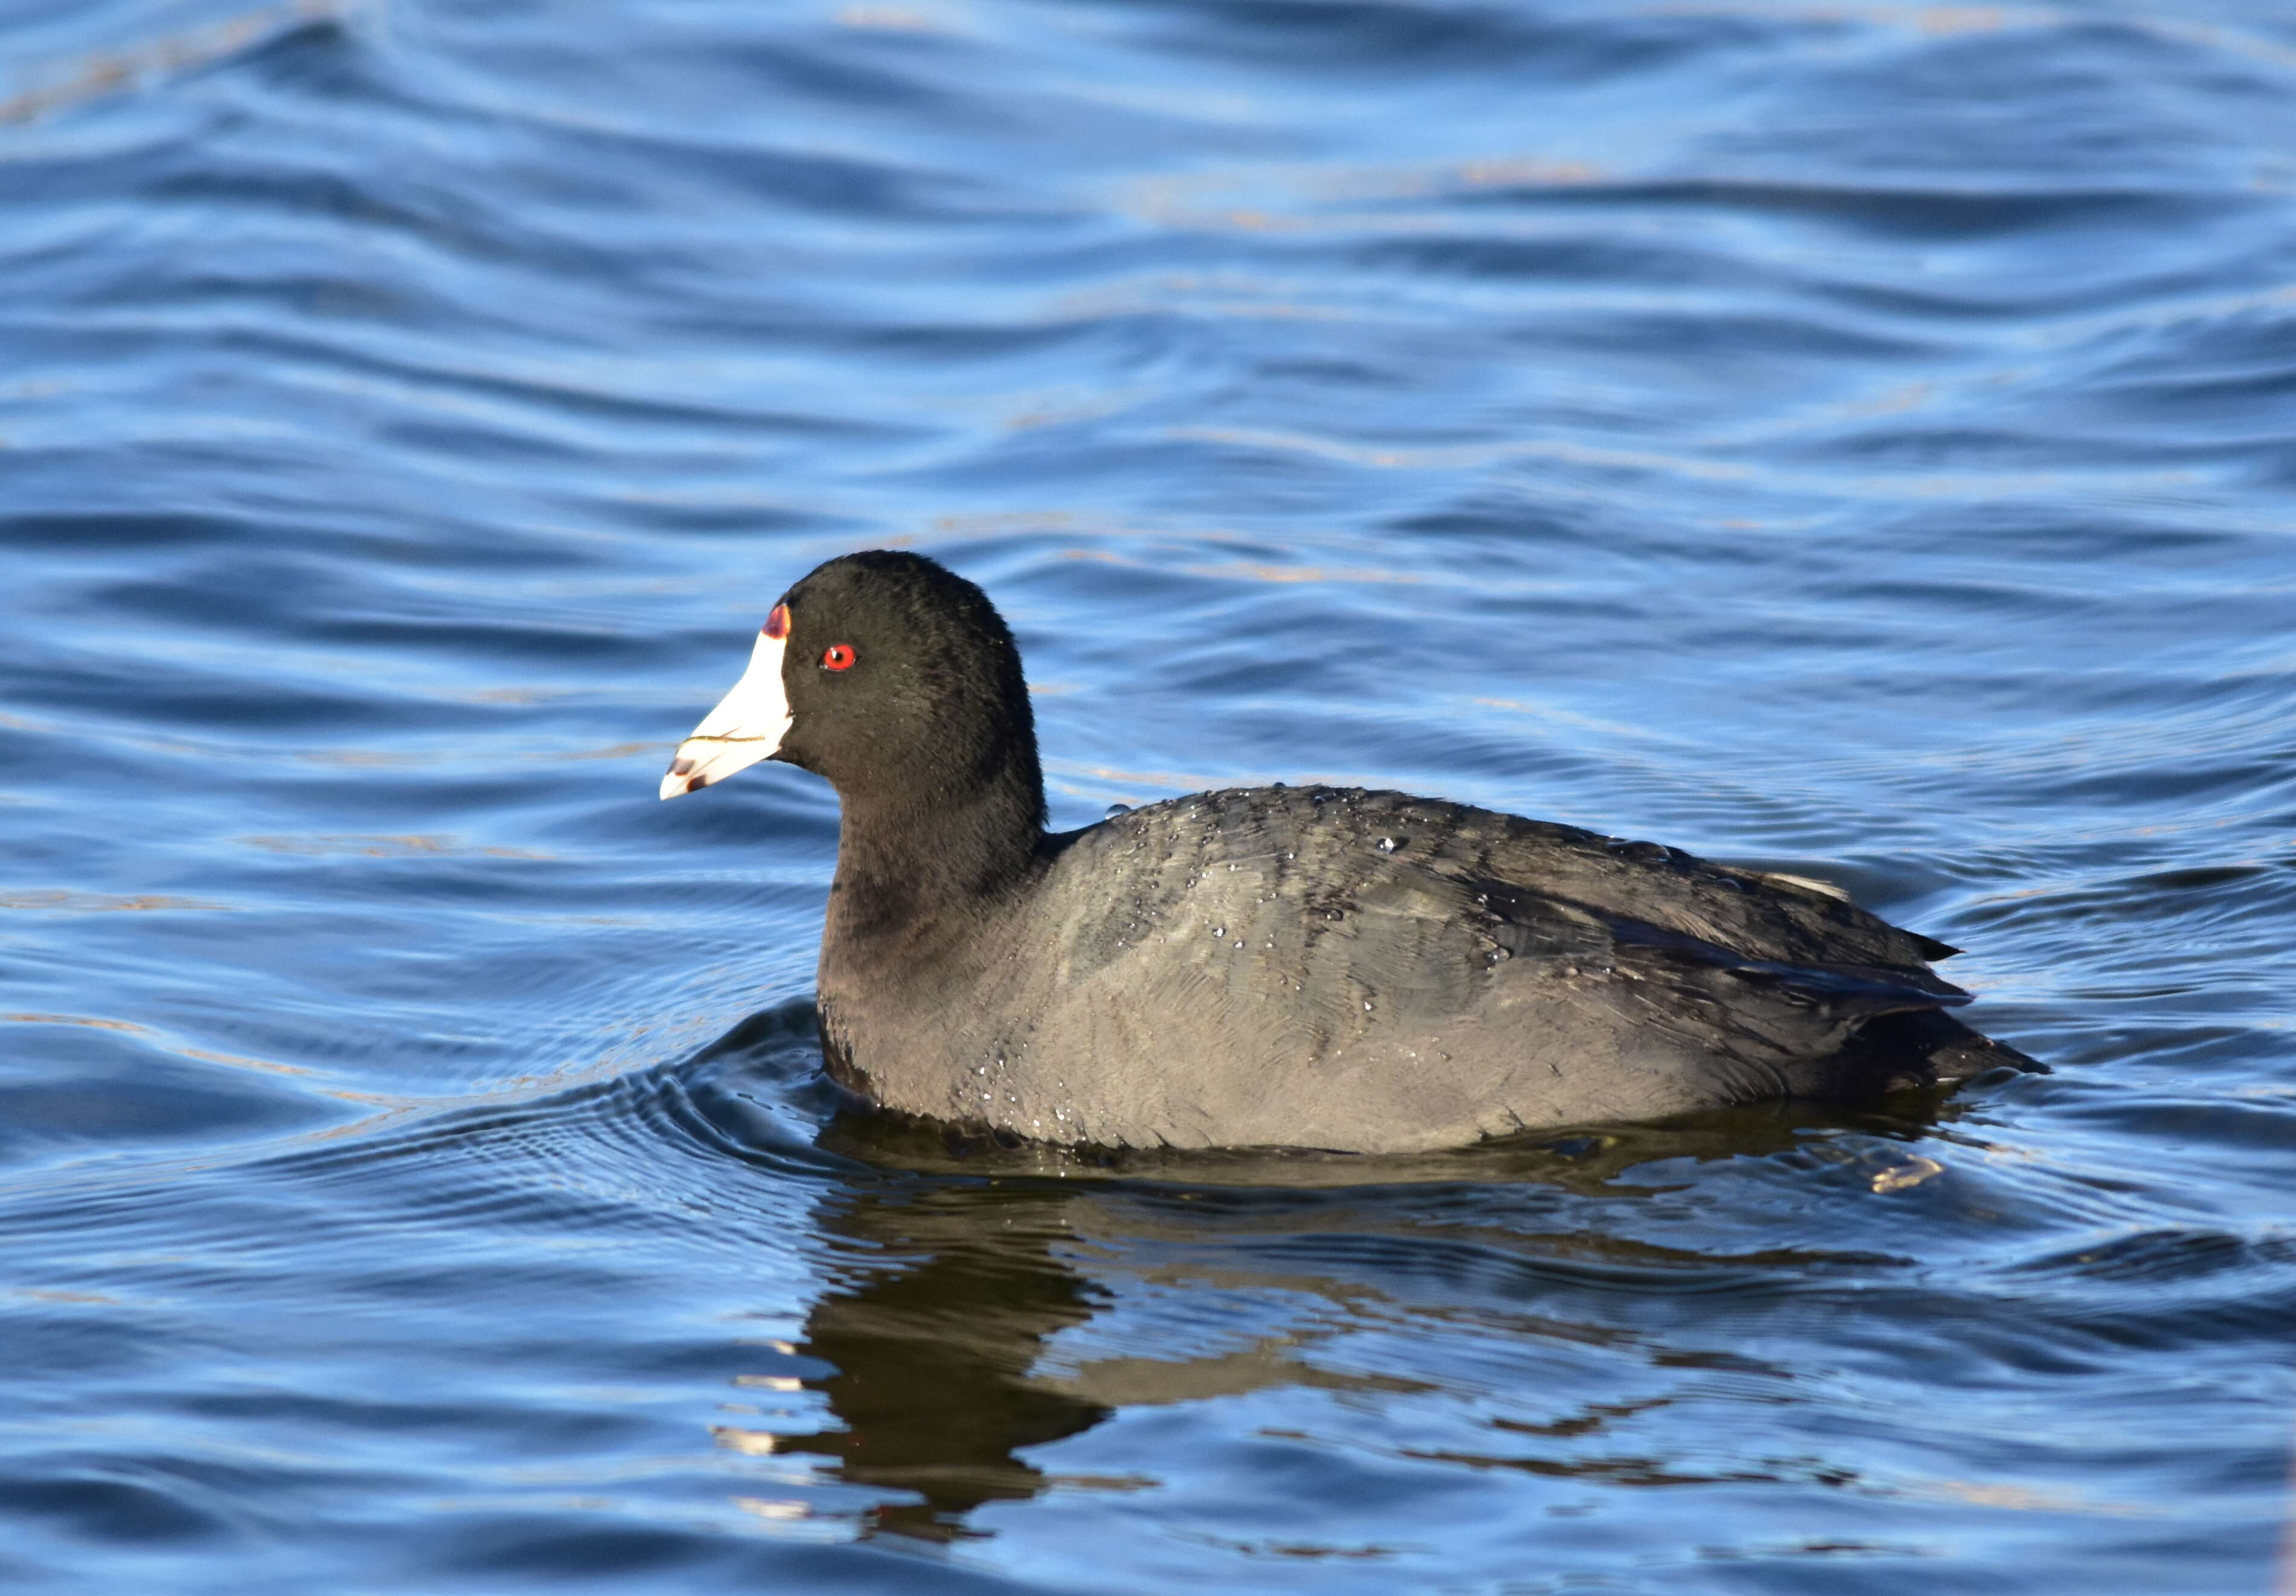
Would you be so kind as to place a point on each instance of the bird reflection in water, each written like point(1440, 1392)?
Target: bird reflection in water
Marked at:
point(958, 1269)
point(932, 1342)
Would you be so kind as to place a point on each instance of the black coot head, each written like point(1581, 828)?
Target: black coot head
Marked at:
point(902, 680)
point(897, 679)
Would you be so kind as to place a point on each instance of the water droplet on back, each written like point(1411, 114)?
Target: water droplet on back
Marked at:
point(1114, 810)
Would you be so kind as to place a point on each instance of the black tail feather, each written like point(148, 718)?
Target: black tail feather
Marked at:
point(1928, 1047)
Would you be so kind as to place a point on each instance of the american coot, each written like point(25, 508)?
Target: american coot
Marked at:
point(1271, 966)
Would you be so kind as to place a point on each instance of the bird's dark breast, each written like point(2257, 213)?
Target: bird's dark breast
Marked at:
point(837, 1049)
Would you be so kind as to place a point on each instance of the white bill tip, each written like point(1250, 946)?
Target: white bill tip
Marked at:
point(746, 727)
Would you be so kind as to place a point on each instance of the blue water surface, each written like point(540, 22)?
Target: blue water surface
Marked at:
point(1851, 437)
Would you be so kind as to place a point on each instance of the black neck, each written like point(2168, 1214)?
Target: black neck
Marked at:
point(922, 867)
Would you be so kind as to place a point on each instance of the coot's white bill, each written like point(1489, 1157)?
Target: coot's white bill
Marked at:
point(746, 726)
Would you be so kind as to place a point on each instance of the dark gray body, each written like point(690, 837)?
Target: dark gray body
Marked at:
point(1275, 967)
point(1373, 973)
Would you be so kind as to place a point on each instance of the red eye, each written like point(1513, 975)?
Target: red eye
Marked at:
point(777, 624)
point(837, 658)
